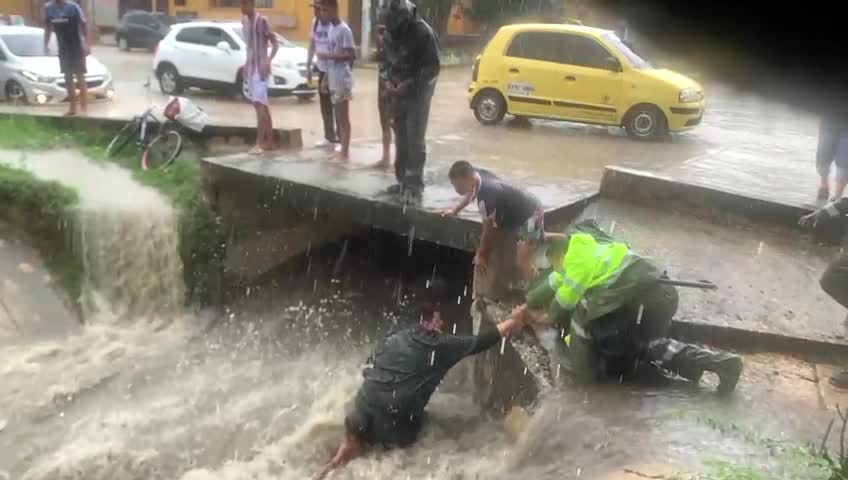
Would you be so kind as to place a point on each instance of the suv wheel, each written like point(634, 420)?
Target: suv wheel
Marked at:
point(646, 122)
point(489, 107)
point(169, 80)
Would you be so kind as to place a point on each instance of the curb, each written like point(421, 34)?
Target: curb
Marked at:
point(654, 190)
point(759, 341)
point(286, 137)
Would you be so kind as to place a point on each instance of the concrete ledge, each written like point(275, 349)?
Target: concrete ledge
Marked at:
point(653, 190)
point(285, 137)
point(759, 341)
point(316, 188)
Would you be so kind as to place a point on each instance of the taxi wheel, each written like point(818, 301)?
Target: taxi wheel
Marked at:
point(489, 107)
point(646, 122)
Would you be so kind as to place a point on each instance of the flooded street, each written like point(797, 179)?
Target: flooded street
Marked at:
point(148, 388)
point(739, 127)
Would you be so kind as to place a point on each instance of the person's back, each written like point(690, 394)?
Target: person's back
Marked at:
point(512, 206)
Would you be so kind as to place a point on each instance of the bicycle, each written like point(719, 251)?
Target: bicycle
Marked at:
point(158, 152)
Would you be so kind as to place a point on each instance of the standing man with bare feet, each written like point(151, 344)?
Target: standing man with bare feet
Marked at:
point(383, 102)
point(258, 36)
point(340, 56)
point(67, 20)
point(320, 43)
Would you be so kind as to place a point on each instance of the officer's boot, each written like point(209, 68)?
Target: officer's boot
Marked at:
point(691, 361)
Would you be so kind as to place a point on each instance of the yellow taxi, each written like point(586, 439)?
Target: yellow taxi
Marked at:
point(580, 74)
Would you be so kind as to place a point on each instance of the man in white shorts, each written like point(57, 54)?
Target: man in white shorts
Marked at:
point(340, 59)
point(258, 35)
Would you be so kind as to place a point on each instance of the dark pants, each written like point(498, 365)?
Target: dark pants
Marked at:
point(327, 114)
point(834, 281)
point(638, 333)
point(411, 115)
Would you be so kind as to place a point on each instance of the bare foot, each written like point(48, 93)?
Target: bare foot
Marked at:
point(343, 156)
point(384, 163)
point(70, 113)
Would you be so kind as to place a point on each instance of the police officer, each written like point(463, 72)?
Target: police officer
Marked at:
point(617, 311)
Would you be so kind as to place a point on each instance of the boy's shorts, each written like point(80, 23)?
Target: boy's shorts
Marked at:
point(258, 89)
point(533, 229)
point(341, 95)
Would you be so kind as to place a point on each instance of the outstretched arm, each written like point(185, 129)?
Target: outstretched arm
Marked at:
point(466, 201)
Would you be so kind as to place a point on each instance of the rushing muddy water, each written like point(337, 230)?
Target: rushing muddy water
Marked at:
point(153, 390)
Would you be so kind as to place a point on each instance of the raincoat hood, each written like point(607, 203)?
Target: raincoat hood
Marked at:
point(397, 14)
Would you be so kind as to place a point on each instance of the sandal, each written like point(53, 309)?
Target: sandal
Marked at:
point(256, 151)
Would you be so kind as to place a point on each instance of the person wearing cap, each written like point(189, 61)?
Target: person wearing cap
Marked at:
point(402, 374)
point(616, 309)
point(320, 44)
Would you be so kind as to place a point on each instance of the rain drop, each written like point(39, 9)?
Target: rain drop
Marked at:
point(432, 357)
point(578, 471)
point(315, 285)
point(525, 370)
point(411, 240)
point(557, 373)
point(464, 291)
point(503, 345)
point(612, 227)
point(639, 315)
point(760, 248)
point(427, 285)
point(454, 329)
point(458, 300)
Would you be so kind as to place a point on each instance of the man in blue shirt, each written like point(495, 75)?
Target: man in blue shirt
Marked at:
point(67, 20)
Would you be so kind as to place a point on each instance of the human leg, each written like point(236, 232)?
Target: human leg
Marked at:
point(417, 120)
point(71, 91)
point(341, 105)
point(399, 125)
point(83, 89)
point(267, 128)
point(386, 126)
point(841, 160)
point(327, 115)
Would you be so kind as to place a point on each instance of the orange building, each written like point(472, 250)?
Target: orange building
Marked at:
point(290, 18)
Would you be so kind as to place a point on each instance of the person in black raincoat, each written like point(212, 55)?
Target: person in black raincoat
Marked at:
point(410, 66)
point(402, 374)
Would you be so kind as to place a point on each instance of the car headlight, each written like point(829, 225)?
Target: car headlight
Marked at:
point(690, 95)
point(33, 77)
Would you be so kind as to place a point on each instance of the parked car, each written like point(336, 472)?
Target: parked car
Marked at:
point(29, 74)
point(580, 74)
point(211, 55)
point(140, 29)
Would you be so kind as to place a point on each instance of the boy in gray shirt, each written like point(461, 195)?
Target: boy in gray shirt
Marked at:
point(340, 59)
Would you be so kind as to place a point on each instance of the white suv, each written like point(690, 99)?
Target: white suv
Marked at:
point(212, 55)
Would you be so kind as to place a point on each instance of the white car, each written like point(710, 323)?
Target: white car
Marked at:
point(28, 74)
point(211, 55)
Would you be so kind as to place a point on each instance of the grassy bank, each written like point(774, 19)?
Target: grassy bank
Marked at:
point(182, 183)
point(43, 210)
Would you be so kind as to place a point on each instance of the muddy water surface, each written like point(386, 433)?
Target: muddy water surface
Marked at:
point(259, 391)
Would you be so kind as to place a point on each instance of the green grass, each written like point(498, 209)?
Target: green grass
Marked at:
point(44, 210)
point(181, 182)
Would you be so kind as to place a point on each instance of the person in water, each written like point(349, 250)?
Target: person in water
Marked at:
point(402, 375)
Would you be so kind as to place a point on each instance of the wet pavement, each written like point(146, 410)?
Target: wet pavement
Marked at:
point(742, 137)
point(314, 178)
point(767, 276)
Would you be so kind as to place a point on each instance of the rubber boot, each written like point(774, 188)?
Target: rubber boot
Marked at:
point(691, 361)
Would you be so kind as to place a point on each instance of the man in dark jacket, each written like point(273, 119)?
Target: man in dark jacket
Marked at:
point(834, 280)
point(403, 373)
point(411, 64)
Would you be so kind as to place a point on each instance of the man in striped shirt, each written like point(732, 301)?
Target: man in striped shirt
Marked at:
point(258, 36)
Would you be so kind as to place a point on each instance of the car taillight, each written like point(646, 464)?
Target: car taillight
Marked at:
point(475, 70)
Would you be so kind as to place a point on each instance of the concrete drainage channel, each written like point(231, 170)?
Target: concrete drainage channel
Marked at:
point(302, 293)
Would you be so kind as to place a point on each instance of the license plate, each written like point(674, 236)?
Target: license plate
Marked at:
point(521, 88)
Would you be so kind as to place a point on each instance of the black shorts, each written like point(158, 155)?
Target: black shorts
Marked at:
point(379, 427)
point(72, 60)
point(383, 106)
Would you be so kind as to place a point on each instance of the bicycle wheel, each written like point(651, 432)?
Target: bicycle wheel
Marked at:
point(162, 150)
point(123, 137)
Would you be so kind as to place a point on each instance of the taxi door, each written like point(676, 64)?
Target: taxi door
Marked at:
point(590, 81)
point(528, 74)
